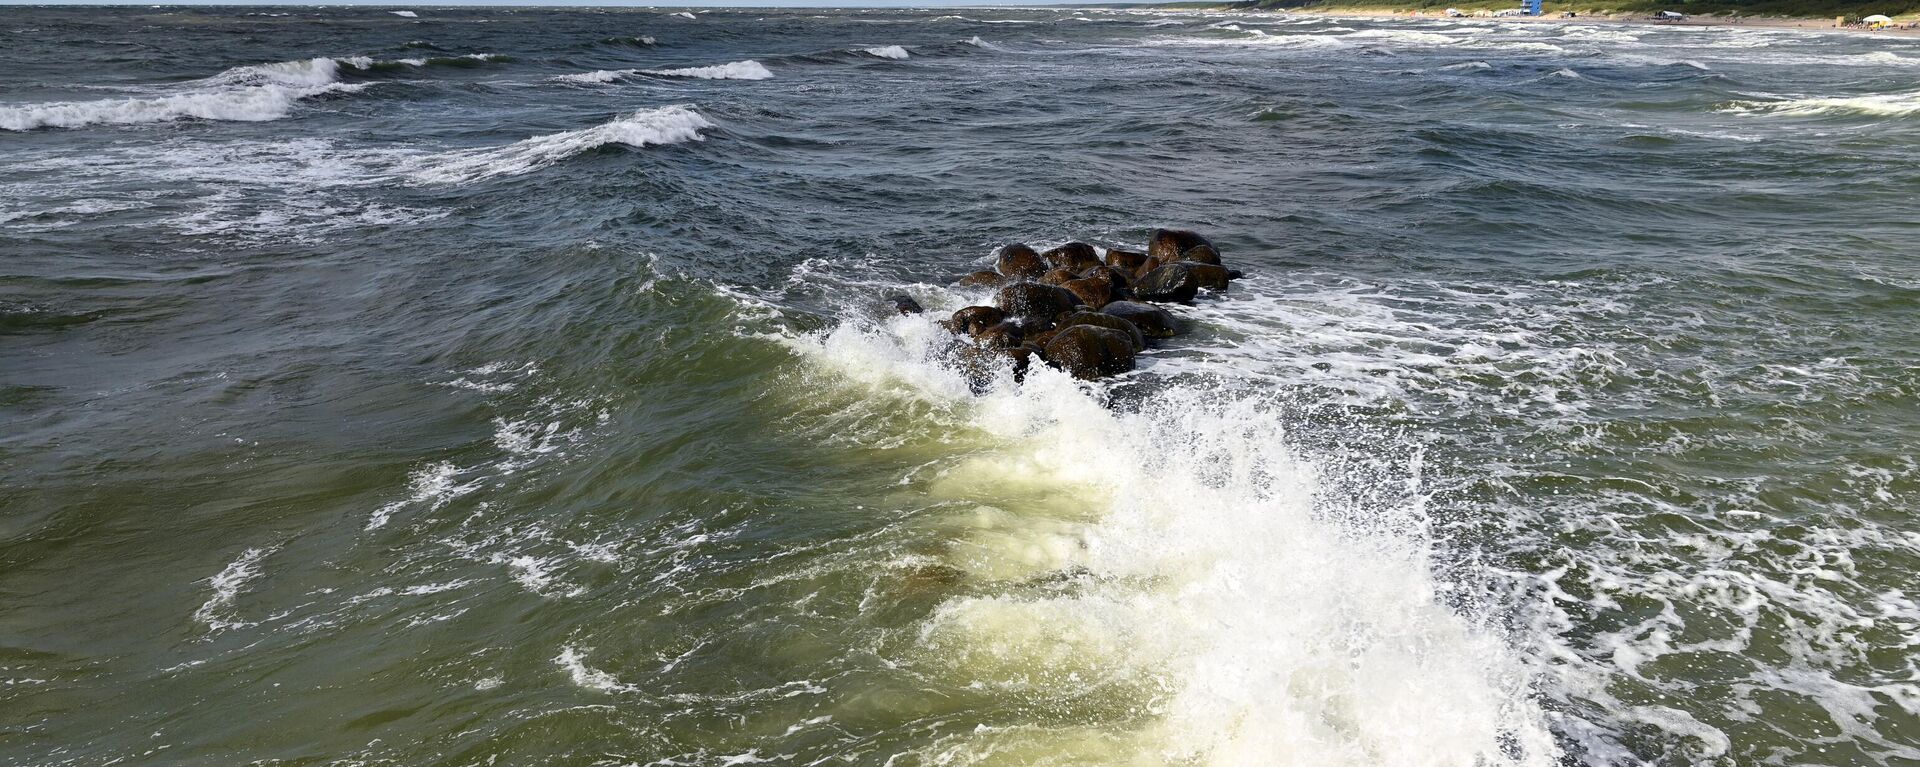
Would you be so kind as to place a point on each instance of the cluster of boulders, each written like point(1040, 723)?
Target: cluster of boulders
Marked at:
point(1070, 308)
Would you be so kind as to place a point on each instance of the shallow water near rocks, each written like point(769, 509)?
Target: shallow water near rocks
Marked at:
point(499, 386)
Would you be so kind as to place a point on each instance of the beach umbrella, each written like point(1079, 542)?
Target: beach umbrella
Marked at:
point(1876, 19)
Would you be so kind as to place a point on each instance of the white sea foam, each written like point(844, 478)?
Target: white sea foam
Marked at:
point(601, 76)
point(217, 612)
point(685, 15)
point(738, 70)
point(1271, 617)
point(246, 94)
point(432, 485)
point(574, 662)
point(887, 52)
point(405, 14)
point(1880, 105)
point(650, 127)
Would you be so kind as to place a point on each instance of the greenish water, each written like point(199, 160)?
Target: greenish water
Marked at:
point(490, 390)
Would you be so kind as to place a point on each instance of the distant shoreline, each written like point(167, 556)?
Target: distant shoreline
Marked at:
point(1737, 22)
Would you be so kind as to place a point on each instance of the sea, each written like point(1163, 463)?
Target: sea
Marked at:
point(512, 386)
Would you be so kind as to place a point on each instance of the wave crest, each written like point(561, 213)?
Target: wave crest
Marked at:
point(1879, 105)
point(650, 127)
point(738, 70)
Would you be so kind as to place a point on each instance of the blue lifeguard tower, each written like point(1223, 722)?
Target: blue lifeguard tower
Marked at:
point(1532, 7)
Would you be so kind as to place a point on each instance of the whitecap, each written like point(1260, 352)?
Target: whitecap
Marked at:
point(243, 94)
point(648, 127)
point(887, 52)
point(405, 14)
point(601, 76)
point(738, 70)
point(217, 612)
point(1879, 105)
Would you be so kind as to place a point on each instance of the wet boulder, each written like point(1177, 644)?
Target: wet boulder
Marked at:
point(1019, 262)
point(1153, 321)
point(1022, 358)
point(973, 319)
point(1147, 267)
point(1075, 256)
point(1092, 291)
point(1005, 335)
point(1118, 279)
point(982, 279)
point(1090, 351)
point(1210, 276)
point(1034, 302)
point(1125, 260)
point(1201, 254)
point(1058, 276)
point(1173, 283)
point(906, 305)
point(1099, 319)
point(1168, 244)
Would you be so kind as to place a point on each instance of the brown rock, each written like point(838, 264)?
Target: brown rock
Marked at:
point(1118, 279)
point(906, 305)
point(1077, 256)
point(1168, 244)
point(1204, 254)
point(982, 279)
point(1153, 321)
point(1005, 335)
point(1092, 291)
point(1210, 276)
point(1034, 302)
point(1125, 260)
point(1019, 262)
point(1058, 276)
point(1175, 282)
point(1089, 351)
point(973, 319)
point(1147, 266)
point(1084, 317)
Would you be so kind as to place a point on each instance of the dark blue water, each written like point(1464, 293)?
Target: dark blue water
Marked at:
point(511, 386)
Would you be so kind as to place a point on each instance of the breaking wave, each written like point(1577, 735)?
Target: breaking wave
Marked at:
point(1881, 105)
point(650, 127)
point(1205, 565)
point(245, 94)
point(887, 52)
point(738, 70)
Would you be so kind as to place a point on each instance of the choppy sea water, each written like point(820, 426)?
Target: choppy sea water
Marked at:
point(502, 386)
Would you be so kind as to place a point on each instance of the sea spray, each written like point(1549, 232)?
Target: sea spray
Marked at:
point(1204, 576)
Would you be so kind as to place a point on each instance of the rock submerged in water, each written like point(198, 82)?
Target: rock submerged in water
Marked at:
point(1153, 321)
point(982, 279)
point(906, 305)
point(1076, 311)
point(973, 319)
point(1092, 291)
point(1100, 319)
point(1035, 303)
point(1089, 351)
point(1174, 283)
